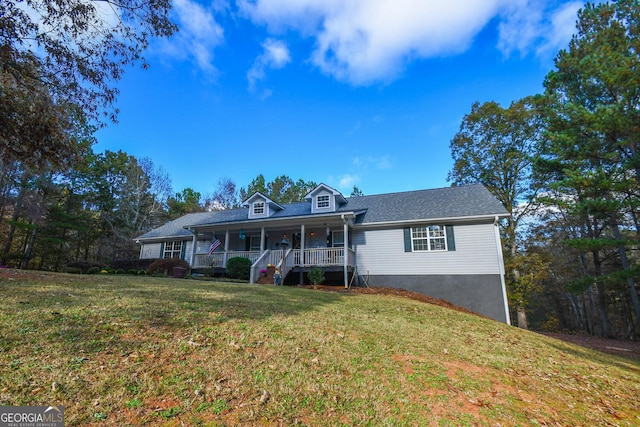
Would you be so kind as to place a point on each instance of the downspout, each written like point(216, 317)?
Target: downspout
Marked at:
point(496, 228)
point(345, 242)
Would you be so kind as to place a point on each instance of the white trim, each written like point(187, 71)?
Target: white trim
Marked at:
point(294, 220)
point(194, 243)
point(501, 267)
point(429, 237)
point(443, 220)
point(345, 229)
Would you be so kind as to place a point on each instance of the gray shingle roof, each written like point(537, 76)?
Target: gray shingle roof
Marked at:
point(449, 202)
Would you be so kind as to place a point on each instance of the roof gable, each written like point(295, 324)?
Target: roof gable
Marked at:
point(325, 199)
point(260, 206)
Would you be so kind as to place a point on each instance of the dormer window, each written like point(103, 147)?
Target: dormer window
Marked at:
point(260, 206)
point(323, 201)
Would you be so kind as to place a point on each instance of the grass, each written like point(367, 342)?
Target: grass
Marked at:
point(123, 350)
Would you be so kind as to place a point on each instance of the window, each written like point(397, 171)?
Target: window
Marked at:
point(322, 201)
point(173, 249)
point(429, 238)
point(337, 239)
point(254, 243)
point(258, 208)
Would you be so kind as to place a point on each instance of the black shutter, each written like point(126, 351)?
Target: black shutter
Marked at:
point(161, 250)
point(407, 240)
point(451, 241)
point(184, 249)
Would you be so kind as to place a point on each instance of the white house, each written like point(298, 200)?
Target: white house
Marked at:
point(441, 242)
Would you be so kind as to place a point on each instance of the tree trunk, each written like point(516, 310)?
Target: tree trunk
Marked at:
point(522, 317)
point(622, 252)
point(28, 253)
point(17, 210)
point(601, 296)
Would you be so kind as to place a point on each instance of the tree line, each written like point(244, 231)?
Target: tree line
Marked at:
point(566, 164)
point(93, 211)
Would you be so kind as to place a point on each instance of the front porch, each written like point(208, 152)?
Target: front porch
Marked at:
point(285, 260)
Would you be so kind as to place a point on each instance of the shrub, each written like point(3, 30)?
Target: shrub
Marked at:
point(93, 270)
point(74, 270)
point(316, 276)
point(119, 271)
point(133, 264)
point(239, 268)
point(165, 266)
point(84, 266)
point(210, 272)
point(132, 271)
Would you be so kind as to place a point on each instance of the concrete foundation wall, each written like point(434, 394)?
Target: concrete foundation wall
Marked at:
point(481, 294)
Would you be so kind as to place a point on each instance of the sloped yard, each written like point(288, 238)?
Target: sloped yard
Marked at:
point(125, 350)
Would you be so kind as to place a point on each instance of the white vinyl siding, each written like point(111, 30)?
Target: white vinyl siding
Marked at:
point(382, 252)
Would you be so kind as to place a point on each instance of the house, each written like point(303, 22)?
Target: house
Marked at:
point(442, 242)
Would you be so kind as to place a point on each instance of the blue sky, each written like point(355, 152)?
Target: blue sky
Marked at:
point(359, 92)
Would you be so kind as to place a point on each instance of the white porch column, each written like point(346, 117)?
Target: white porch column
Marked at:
point(194, 244)
point(226, 248)
point(262, 235)
point(302, 244)
point(345, 230)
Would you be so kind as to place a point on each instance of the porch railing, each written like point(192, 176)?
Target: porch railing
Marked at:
point(306, 258)
point(321, 257)
point(219, 259)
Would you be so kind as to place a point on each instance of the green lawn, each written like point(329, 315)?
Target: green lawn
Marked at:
point(125, 350)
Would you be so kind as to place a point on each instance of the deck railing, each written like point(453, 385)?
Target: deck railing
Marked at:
point(319, 257)
point(306, 258)
point(219, 259)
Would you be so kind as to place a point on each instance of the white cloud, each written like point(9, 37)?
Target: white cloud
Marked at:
point(275, 55)
point(368, 41)
point(384, 162)
point(364, 41)
point(562, 27)
point(519, 26)
point(533, 26)
point(199, 34)
point(376, 162)
point(347, 181)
